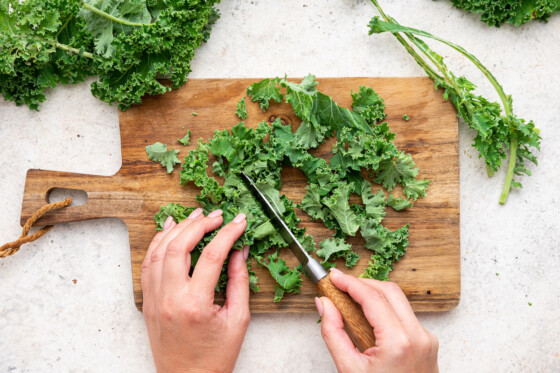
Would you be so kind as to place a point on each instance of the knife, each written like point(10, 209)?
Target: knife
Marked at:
point(355, 322)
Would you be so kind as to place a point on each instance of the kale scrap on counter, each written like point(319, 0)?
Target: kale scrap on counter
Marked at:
point(126, 44)
point(498, 129)
point(364, 142)
point(515, 12)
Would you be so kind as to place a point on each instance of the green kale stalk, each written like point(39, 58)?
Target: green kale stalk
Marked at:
point(498, 129)
point(127, 44)
point(364, 144)
point(515, 12)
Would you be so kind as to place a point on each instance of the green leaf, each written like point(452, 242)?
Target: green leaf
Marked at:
point(241, 109)
point(368, 104)
point(186, 139)
point(107, 19)
point(337, 248)
point(398, 204)
point(415, 188)
point(175, 210)
point(273, 197)
point(396, 170)
point(339, 207)
point(158, 153)
point(288, 280)
point(264, 91)
point(374, 203)
point(389, 247)
point(497, 12)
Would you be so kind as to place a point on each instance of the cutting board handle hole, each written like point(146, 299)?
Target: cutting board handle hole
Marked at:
point(79, 197)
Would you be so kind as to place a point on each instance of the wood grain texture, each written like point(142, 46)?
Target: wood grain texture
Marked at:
point(355, 323)
point(429, 273)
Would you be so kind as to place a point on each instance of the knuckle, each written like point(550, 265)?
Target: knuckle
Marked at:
point(145, 265)
point(157, 255)
point(243, 277)
point(424, 344)
point(434, 341)
point(375, 295)
point(156, 240)
point(166, 311)
point(212, 255)
point(174, 248)
point(245, 318)
point(393, 287)
point(403, 346)
point(194, 313)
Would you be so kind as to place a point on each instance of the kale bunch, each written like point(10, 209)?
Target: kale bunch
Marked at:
point(515, 12)
point(364, 143)
point(498, 130)
point(127, 44)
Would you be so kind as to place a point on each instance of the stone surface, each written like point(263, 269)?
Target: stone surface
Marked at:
point(66, 301)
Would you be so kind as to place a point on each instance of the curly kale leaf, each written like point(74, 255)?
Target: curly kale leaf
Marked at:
point(42, 44)
point(241, 109)
point(288, 280)
point(398, 204)
point(264, 91)
point(497, 132)
point(127, 44)
point(368, 104)
point(106, 19)
point(177, 211)
point(185, 140)
point(158, 153)
point(516, 12)
point(389, 247)
point(337, 248)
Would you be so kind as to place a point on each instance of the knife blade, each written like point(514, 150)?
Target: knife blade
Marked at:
point(357, 326)
point(311, 266)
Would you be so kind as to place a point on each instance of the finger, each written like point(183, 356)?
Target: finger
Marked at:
point(396, 299)
point(237, 291)
point(177, 259)
point(376, 308)
point(158, 253)
point(144, 276)
point(338, 342)
point(209, 265)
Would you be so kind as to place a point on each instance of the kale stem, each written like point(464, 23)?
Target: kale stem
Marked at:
point(112, 18)
point(64, 25)
point(427, 68)
point(511, 168)
point(74, 50)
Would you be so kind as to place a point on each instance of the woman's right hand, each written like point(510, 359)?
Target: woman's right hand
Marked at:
point(402, 344)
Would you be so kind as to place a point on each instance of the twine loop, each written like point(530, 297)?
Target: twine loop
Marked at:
point(13, 247)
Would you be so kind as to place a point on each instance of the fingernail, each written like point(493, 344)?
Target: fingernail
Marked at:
point(195, 214)
point(167, 223)
point(239, 218)
point(215, 213)
point(319, 306)
point(334, 270)
point(245, 252)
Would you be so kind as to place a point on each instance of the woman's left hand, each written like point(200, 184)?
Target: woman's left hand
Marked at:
point(187, 331)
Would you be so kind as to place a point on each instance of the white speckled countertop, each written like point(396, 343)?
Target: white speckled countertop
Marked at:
point(50, 323)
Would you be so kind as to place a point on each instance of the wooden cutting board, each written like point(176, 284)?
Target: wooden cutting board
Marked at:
point(429, 273)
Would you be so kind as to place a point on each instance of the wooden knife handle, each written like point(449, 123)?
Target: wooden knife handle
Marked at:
point(355, 322)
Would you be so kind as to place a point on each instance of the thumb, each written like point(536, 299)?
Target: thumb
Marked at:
point(338, 342)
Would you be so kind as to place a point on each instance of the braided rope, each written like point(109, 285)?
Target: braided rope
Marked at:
point(13, 247)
